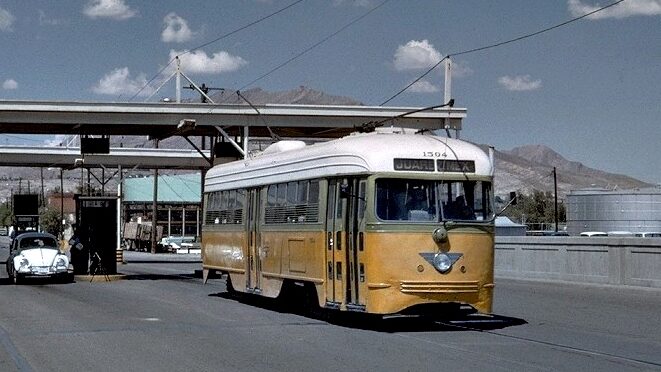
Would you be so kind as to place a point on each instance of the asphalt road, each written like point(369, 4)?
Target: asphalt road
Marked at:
point(162, 318)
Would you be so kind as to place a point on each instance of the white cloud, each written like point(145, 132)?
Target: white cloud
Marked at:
point(176, 29)
point(416, 55)
point(6, 20)
point(519, 83)
point(424, 86)
point(199, 62)
point(114, 9)
point(625, 9)
point(10, 84)
point(119, 82)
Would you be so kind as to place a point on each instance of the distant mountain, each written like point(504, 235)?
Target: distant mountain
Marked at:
point(299, 96)
point(521, 169)
point(530, 167)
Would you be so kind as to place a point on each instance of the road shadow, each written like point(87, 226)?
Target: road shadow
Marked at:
point(474, 322)
point(179, 277)
point(36, 281)
point(197, 274)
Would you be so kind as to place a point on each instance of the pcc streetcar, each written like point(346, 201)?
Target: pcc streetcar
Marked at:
point(388, 222)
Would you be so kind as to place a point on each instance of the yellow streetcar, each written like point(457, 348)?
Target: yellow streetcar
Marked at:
point(388, 222)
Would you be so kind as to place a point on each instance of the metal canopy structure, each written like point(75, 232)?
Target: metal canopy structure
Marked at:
point(62, 157)
point(157, 119)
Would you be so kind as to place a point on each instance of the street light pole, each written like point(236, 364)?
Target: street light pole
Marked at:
point(61, 203)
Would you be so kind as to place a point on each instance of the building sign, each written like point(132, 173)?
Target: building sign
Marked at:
point(96, 203)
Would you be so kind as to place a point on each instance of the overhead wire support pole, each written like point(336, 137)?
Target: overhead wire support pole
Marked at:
point(245, 141)
point(447, 95)
point(204, 88)
point(160, 86)
point(198, 89)
point(178, 79)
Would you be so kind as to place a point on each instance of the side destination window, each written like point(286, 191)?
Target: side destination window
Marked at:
point(292, 202)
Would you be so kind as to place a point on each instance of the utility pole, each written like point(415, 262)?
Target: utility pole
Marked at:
point(43, 196)
point(555, 196)
point(204, 88)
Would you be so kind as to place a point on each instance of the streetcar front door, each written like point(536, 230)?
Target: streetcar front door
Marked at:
point(253, 262)
point(344, 246)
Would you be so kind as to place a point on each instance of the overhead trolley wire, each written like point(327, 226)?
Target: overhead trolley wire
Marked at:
point(495, 45)
point(215, 41)
point(306, 50)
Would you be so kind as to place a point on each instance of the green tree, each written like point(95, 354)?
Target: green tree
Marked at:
point(6, 216)
point(49, 219)
point(536, 208)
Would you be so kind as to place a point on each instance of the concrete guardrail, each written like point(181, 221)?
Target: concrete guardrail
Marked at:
point(601, 260)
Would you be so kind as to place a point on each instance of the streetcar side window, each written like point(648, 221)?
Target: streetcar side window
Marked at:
point(466, 200)
point(292, 202)
point(225, 207)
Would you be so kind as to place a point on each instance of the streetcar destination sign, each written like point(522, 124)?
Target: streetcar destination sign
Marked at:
point(419, 165)
point(467, 166)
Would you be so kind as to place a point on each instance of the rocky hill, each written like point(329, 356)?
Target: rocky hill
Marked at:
point(299, 96)
point(530, 167)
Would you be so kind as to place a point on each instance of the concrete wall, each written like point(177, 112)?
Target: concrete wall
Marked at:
point(602, 260)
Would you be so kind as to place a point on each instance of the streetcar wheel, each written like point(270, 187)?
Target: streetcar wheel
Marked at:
point(311, 304)
point(229, 286)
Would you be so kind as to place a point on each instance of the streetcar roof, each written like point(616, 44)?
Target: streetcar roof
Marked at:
point(363, 153)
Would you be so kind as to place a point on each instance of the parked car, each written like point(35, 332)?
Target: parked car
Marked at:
point(35, 254)
point(649, 234)
point(593, 233)
point(621, 234)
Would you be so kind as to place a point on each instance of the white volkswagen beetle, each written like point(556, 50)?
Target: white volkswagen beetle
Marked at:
point(37, 255)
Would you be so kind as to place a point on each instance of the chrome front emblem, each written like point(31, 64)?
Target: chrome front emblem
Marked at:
point(440, 260)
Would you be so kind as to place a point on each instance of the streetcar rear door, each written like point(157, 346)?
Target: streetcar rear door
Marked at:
point(335, 259)
point(253, 262)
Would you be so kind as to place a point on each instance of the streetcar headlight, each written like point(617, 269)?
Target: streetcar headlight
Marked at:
point(442, 262)
point(440, 235)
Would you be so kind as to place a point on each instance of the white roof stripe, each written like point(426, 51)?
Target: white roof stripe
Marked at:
point(351, 155)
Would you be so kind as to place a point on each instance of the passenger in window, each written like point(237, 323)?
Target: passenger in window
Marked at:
point(417, 200)
point(459, 210)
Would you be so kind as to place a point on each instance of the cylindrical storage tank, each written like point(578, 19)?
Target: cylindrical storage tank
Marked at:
point(637, 210)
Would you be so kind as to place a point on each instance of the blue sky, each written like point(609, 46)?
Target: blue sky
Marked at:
point(590, 90)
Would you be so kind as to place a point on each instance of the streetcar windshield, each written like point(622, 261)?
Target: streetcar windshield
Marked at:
point(425, 200)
